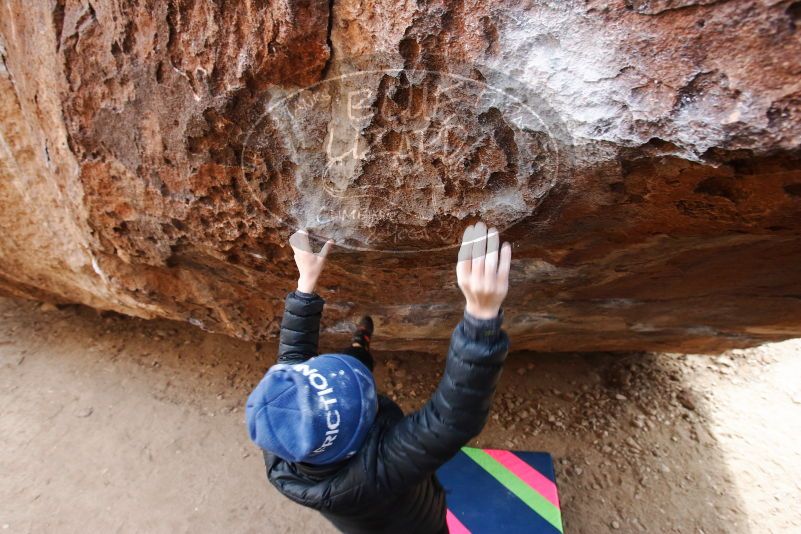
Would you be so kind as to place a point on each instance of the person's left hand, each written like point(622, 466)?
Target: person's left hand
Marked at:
point(310, 265)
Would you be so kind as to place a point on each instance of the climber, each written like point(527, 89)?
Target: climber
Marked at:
point(331, 443)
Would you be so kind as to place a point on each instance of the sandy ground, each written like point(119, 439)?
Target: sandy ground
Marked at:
point(112, 424)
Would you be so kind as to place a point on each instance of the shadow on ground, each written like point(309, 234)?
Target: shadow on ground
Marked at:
point(118, 424)
point(631, 439)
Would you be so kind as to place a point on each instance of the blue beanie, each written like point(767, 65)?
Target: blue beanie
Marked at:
point(316, 412)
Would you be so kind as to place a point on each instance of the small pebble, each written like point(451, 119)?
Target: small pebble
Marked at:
point(686, 399)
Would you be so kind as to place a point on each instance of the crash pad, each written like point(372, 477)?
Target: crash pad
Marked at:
point(492, 490)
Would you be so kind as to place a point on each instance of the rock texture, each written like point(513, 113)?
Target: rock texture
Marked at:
point(642, 155)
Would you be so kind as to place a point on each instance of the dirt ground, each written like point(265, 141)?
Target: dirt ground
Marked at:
point(113, 424)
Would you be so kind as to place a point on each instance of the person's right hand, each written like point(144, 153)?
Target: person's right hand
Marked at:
point(481, 272)
point(310, 265)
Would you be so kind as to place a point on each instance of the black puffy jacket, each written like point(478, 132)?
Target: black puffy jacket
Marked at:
point(390, 485)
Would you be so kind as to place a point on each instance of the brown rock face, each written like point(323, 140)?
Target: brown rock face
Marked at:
point(643, 156)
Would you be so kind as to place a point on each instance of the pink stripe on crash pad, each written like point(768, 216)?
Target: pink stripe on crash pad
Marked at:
point(454, 525)
point(539, 482)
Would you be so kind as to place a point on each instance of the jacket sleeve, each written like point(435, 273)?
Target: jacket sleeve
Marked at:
point(300, 327)
point(422, 441)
